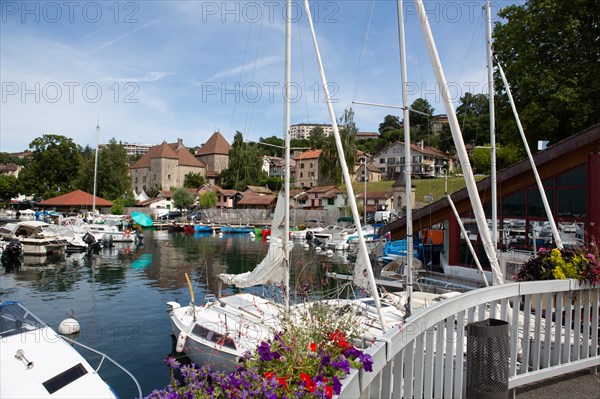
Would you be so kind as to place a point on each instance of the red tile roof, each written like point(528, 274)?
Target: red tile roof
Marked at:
point(172, 151)
point(323, 189)
point(255, 199)
point(311, 154)
point(216, 144)
point(75, 198)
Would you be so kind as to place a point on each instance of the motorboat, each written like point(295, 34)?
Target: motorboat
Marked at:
point(37, 362)
point(36, 239)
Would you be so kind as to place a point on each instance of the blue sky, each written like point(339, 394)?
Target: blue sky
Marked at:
point(161, 70)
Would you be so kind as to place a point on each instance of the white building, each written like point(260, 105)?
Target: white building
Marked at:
point(302, 130)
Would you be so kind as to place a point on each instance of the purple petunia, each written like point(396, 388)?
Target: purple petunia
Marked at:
point(342, 363)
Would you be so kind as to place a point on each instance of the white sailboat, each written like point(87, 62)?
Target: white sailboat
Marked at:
point(223, 329)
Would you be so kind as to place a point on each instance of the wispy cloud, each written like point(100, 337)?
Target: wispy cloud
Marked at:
point(148, 77)
point(235, 71)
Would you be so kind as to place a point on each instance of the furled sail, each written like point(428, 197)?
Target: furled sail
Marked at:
point(271, 270)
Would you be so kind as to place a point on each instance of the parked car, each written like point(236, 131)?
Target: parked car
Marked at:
point(171, 215)
point(195, 216)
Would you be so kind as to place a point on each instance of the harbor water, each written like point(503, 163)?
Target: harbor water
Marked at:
point(119, 296)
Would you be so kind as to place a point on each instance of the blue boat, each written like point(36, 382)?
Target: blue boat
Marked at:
point(202, 228)
point(237, 229)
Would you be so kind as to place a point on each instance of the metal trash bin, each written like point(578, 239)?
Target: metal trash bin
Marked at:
point(487, 359)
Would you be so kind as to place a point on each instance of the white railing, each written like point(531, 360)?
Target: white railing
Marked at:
point(553, 330)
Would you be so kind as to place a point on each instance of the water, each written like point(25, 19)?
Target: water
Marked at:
point(119, 296)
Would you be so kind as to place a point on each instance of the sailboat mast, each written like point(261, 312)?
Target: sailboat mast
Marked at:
point(555, 233)
point(493, 179)
point(286, 128)
point(407, 160)
point(95, 171)
point(363, 252)
point(459, 143)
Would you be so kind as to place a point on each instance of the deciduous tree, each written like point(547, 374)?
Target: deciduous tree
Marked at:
point(54, 167)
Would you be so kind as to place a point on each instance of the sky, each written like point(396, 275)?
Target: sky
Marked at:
point(149, 71)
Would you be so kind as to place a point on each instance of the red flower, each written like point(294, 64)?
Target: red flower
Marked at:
point(310, 384)
point(269, 374)
point(313, 347)
point(328, 391)
point(283, 381)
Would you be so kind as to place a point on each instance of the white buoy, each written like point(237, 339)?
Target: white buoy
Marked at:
point(329, 252)
point(180, 342)
point(317, 249)
point(68, 326)
point(305, 245)
point(252, 235)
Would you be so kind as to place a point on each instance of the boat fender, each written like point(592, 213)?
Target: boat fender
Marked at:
point(306, 246)
point(180, 342)
point(317, 249)
point(252, 235)
point(68, 326)
point(329, 252)
point(310, 235)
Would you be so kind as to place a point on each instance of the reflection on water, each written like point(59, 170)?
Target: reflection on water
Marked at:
point(119, 295)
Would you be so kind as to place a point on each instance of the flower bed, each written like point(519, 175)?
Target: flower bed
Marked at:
point(555, 264)
point(306, 359)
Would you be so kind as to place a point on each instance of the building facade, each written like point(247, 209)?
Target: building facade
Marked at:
point(302, 130)
point(426, 162)
point(214, 153)
point(307, 168)
point(164, 167)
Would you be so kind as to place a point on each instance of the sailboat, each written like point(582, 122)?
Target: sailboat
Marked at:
point(224, 328)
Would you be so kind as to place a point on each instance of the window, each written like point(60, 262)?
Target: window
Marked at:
point(311, 165)
point(381, 160)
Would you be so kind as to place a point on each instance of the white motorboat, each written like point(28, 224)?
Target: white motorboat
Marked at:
point(36, 362)
point(36, 239)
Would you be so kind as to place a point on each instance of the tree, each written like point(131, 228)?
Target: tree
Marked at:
point(182, 199)
point(272, 147)
point(245, 165)
point(207, 199)
point(193, 180)
point(113, 180)
point(421, 125)
point(329, 163)
point(473, 115)
point(317, 137)
point(549, 51)
point(9, 187)
point(54, 167)
point(390, 129)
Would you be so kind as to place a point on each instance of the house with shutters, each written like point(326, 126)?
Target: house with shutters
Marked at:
point(307, 168)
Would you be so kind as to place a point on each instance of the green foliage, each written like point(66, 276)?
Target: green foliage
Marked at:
point(317, 137)
point(6, 158)
point(207, 199)
point(9, 186)
point(182, 198)
point(272, 148)
point(193, 180)
point(245, 165)
point(113, 179)
point(474, 118)
point(54, 167)
point(330, 171)
point(421, 125)
point(549, 52)
point(274, 183)
point(118, 206)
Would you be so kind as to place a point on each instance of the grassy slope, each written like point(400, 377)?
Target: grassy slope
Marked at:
point(433, 187)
